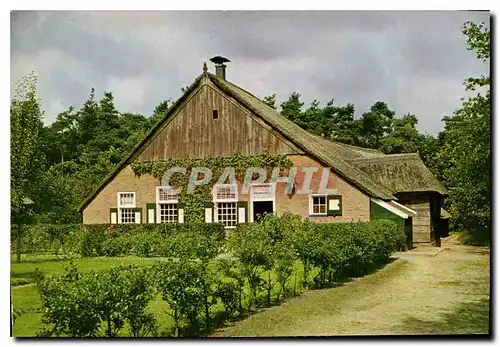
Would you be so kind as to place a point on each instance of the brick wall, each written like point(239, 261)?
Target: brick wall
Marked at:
point(144, 187)
point(355, 204)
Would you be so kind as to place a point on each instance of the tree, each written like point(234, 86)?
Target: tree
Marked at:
point(375, 125)
point(404, 137)
point(25, 156)
point(429, 148)
point(270, 100)
point(341, 125)
point(467, 143)
point(160, 111)
point(292, 108)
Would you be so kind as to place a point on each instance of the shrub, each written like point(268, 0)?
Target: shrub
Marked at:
point(91, 239)
point(84, 305)
point(251, 244)
point(115, 246)
point(194, 241)
point(232, 269)
point(182, 288)
point(228, 293)
point(145, 244)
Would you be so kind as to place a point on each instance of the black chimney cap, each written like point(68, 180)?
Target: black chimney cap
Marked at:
point(219, 60)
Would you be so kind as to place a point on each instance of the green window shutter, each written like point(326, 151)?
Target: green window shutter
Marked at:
point(151, 212)
point(334, 205)
point(113, 215)
point(242, 211)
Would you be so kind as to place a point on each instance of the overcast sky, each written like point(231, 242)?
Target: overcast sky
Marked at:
point(414, 61)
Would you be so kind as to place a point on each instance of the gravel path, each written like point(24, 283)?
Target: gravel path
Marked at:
point(412, 295)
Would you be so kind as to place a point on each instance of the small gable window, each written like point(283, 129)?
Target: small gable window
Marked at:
point(215, 114)
point(317, 205)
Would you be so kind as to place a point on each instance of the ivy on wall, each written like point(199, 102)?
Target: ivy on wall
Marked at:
point(194, 203)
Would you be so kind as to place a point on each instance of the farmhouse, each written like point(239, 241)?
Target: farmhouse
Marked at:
point(216, 119)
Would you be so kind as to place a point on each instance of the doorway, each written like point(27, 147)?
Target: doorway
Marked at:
point(260, 208)
point(262, 200)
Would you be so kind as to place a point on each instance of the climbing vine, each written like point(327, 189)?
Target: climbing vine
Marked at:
point(194, 203)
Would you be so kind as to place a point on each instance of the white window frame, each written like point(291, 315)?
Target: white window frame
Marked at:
point(253, 199)
point(311, 204)
point(120, 207)
point(230, 200)
point(168, 201)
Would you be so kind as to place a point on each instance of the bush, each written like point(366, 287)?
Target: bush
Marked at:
point(115, 246)
point(182, 288)
point(145, 244)
point(194, 241)
point(93, 304)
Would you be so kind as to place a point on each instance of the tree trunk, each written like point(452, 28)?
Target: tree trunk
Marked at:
point(241, 303)
point(269, 288)
point(19, 242)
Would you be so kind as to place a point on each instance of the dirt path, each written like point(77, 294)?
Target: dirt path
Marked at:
point(419, 293)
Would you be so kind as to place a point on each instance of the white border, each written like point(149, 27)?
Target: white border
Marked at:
point(119, 207)
point(311, 205)
point(390, 208)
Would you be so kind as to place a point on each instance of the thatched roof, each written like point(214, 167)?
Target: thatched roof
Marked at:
point(329, 153)
point(378, 175)
point(401, 173)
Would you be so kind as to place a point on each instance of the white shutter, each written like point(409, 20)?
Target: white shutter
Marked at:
point(180, 215)
point(334, 204)
point(138, 218)
point(151, 215)
point(241, 214)
point(114, 217)
point(208, 215)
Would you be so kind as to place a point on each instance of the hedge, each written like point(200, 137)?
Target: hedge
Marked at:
point(192, 278)
point(89, 240)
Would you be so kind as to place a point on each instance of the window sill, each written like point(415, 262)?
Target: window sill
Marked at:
point(318, 215)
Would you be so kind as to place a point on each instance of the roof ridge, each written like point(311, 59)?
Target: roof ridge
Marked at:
point(310, 144)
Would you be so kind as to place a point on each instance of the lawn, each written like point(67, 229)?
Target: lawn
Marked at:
point(24, 294)
point(23, 272)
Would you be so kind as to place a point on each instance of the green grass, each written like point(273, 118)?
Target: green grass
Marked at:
point(23, 272)
point(466, 318)
point(25, 296)
point(473, 238)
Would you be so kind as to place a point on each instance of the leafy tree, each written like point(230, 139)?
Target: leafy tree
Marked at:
point(467, 144)
point(25, 157)
point(342, 126)
point(404, 138)
point(270, 100)
point(429, 149)
point(160, 111)
point(182, 288)
point(376, 124)
point(292, 108)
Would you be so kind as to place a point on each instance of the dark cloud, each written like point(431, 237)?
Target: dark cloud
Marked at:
point(415, 61)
